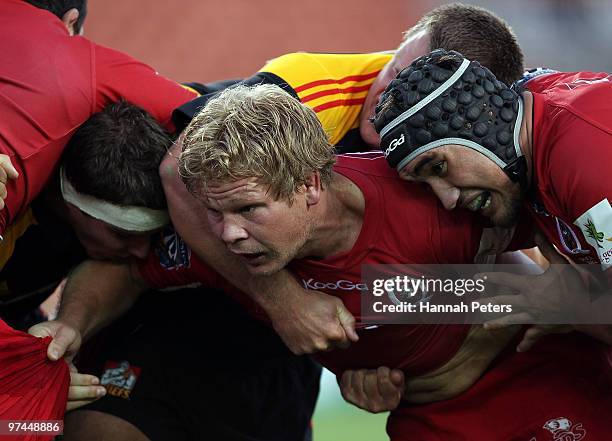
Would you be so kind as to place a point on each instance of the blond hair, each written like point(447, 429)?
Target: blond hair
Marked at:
point(255, 132)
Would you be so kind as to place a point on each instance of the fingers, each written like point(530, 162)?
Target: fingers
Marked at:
point(84, 389)
point(65, 342)
point(390, 386)
point(315, 322)
point(376, 391)
point(40, 330)
point(346, 387)
point(3, 195)
point(347, 321)
point(8, 170)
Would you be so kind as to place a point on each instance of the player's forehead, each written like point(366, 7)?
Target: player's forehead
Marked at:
point(234, 192)
point(414, 46)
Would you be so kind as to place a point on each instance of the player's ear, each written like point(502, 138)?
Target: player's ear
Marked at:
point(70, 19)
point(313, 188)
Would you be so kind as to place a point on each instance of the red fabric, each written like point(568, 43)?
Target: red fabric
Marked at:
point(572, 135)
point(403, 223)
point(51, 83)
point(562, 377)
point(31, 386)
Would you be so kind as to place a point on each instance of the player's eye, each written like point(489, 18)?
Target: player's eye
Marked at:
point(247, 209)
point(439, 168)
point(213, 213)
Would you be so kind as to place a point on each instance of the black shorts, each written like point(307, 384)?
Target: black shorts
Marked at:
point(191, 365)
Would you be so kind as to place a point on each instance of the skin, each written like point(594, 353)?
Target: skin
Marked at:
point(249, 220)
point(103, 241)
point(413, 47)
point(264, 233)
point(459, 176)
point(70, 19)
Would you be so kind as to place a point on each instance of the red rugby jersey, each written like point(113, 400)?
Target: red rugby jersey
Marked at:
point(572, 150)
point(31, 386)
point(51, 83)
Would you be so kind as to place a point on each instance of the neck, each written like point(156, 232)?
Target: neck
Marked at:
point(338, 223)
point(526, 135)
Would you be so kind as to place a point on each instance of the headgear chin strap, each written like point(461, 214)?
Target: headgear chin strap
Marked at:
point(442, 98)
point(129, 218)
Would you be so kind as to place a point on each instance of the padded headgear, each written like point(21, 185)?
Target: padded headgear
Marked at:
point(442, 98)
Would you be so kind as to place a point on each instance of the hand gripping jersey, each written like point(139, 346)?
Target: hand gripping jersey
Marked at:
point(51, 83)
point(333, 85)
point(572, 150)
point(31, 386)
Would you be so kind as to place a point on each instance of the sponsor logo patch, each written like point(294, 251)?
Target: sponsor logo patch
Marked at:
point(394, 144)
point(119, 378)
point(562, 429)
point(172, 252)
point(596, 225)
point(343, 285)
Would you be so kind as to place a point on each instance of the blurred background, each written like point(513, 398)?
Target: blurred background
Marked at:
point(199, 40)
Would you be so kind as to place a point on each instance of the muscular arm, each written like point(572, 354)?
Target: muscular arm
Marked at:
point(307, 321)
point(96, 293)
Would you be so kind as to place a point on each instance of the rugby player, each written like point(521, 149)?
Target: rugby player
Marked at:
point(343, 90)
point(107, 202)
point(275, 202)
point(498, 151)
point(324, 221)
point(55, 81)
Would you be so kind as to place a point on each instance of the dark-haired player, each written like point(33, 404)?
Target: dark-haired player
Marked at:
point(107, 202)
point(55, 81)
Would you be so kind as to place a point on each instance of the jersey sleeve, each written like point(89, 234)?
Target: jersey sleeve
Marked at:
point(118, 75)
point(578, 179)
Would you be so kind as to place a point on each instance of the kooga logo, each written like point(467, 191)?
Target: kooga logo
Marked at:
point(394, 144)
point(344, 285)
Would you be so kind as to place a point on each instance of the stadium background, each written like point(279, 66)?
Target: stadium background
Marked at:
point(198, 40)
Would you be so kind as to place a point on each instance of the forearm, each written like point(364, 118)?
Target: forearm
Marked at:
point(96, 293)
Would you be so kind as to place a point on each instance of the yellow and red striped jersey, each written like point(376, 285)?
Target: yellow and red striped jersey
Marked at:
point(333, 85)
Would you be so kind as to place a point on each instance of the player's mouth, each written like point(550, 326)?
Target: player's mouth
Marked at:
point(252, 258)
point(480, 202)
